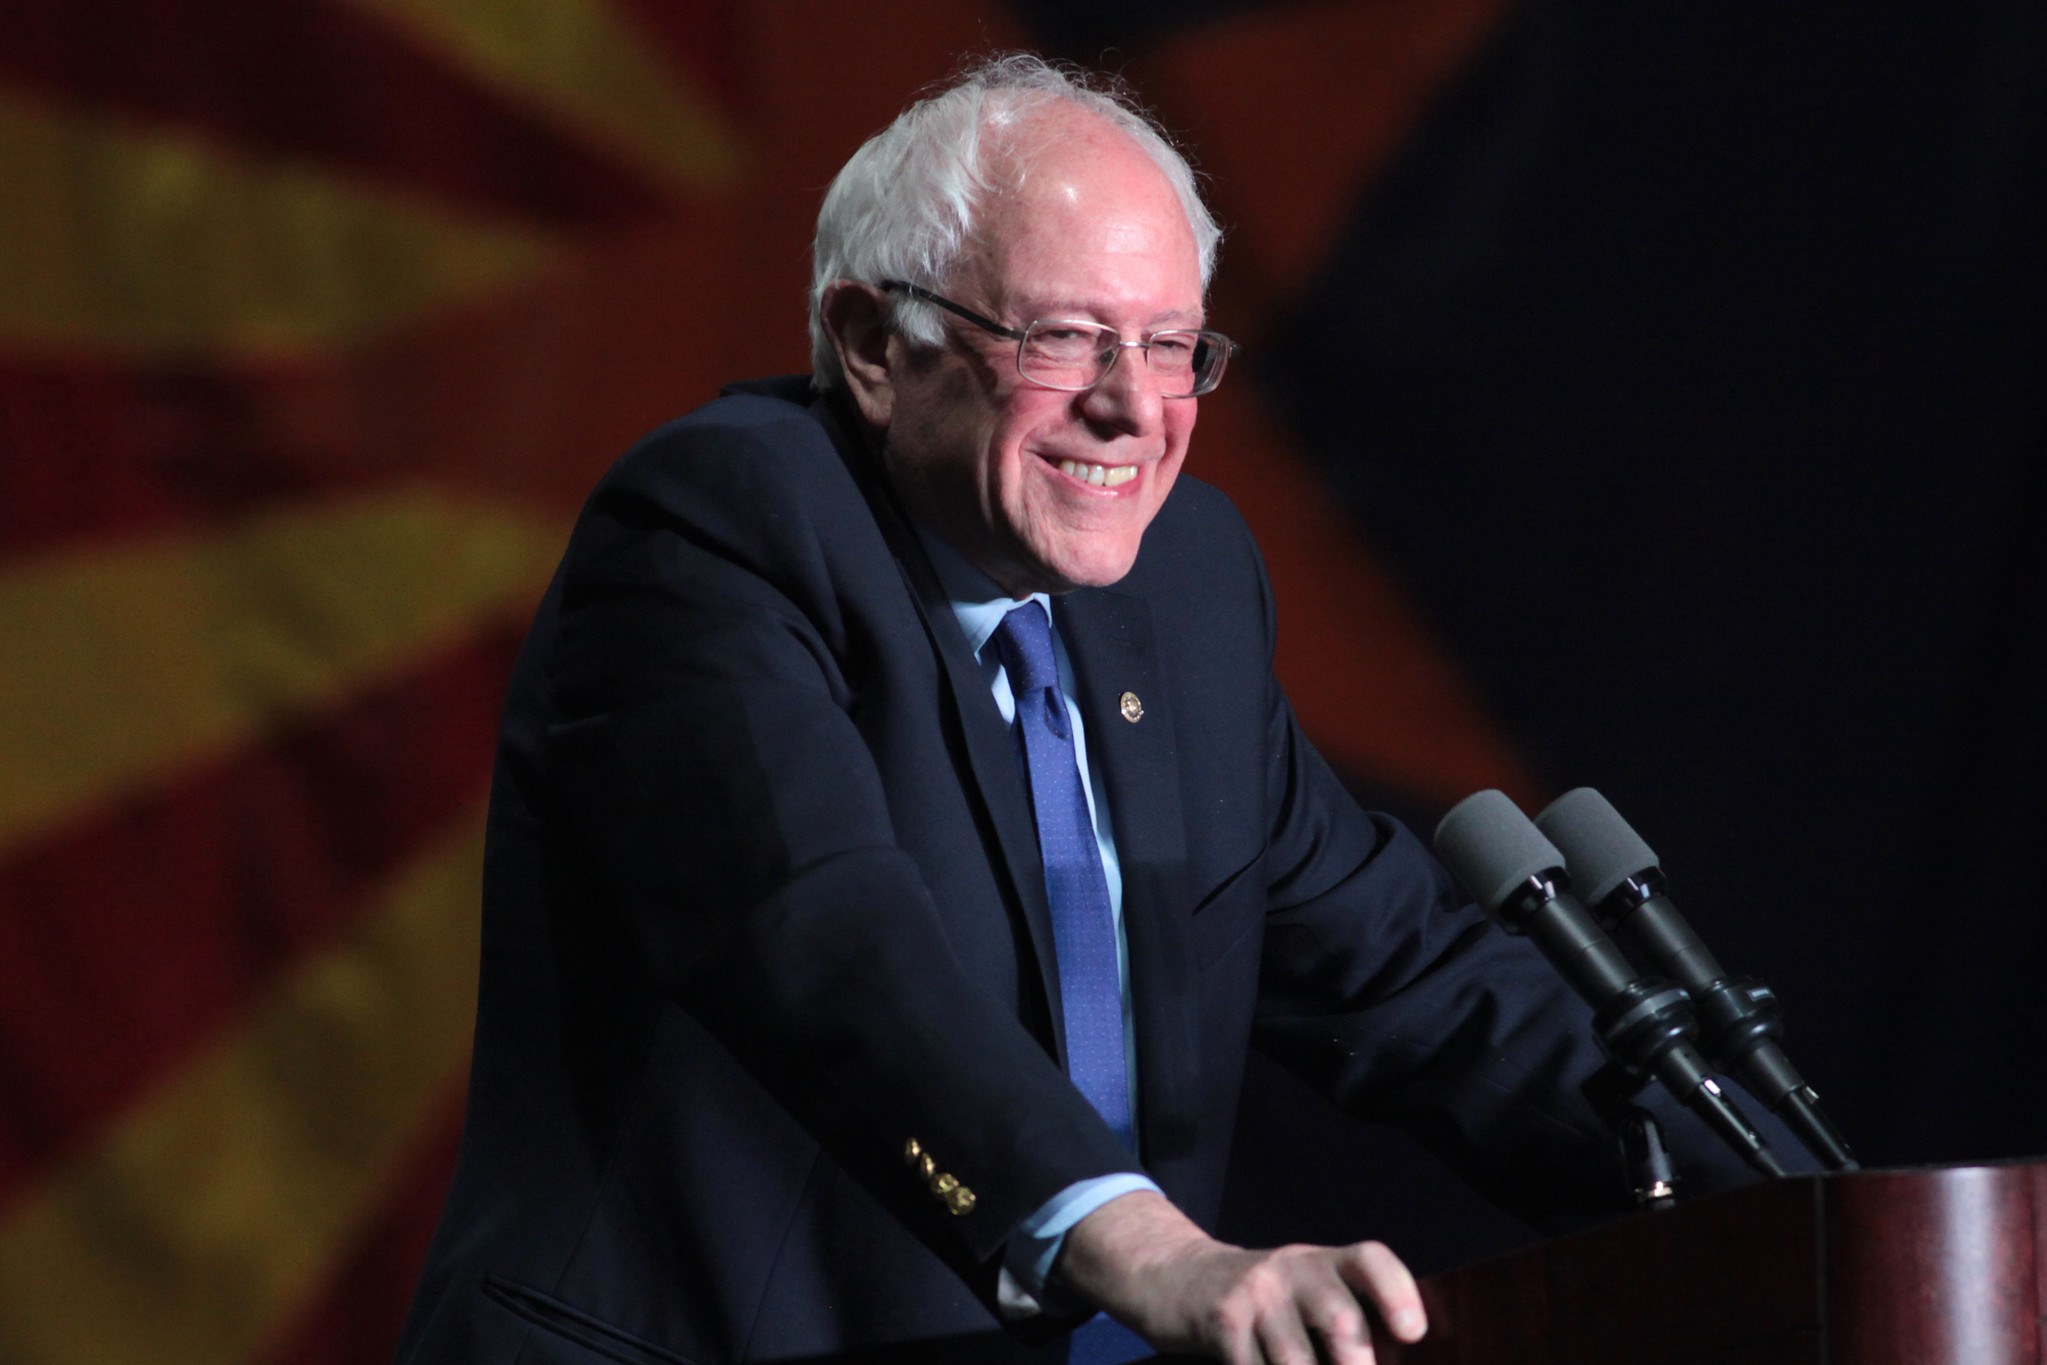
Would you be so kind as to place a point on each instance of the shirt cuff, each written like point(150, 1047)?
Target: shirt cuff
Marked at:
point(1027, 1261)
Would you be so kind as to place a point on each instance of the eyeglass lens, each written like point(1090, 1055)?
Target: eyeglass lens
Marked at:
point(1065, 355)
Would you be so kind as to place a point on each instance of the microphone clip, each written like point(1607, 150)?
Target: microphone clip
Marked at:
point(1645, 1152)
point(1737, 1015)
point(1642, 1021)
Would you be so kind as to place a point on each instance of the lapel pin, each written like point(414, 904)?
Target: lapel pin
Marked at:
point(1133, 709)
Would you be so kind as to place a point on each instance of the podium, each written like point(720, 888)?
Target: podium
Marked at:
point(1941, 1266)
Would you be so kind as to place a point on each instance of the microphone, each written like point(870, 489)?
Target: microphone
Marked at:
point(1623, 883)
point(1645, 1024)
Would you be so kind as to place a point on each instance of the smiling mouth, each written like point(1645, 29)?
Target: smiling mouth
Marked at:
point(1099, 475)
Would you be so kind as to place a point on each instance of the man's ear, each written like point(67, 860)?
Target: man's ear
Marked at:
point(855, 317)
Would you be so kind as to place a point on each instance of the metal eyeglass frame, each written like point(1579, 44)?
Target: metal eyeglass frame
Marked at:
point(1227, 347)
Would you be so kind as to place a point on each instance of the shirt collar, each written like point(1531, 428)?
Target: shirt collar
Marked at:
point(975, 600)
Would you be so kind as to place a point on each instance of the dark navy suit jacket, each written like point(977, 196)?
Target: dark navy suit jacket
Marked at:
point(763, 904)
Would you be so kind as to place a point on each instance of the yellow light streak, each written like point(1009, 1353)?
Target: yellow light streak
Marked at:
point(582, 61)
point(215, 1210)
point(115, 241)
point(121, 665)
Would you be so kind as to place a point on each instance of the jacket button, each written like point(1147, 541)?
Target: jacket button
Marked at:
point(927, 1166)
point(960, 1201)
point(943, 1185)
point(1133, 709)
point(911, 1151)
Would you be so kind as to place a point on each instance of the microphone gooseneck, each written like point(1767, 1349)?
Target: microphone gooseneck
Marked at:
point(1645, 1024)
point(1739, 1019)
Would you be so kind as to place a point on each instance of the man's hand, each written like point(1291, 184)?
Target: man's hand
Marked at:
point(1145, 1262)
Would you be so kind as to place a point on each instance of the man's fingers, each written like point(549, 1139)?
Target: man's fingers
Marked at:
point(1233, 1325)
point(1332, 1313)
point(1284, 1340)
point(1380, 1277)
point(1303, 1308)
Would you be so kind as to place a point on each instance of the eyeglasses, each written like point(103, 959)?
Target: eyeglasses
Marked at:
point(1076, 356)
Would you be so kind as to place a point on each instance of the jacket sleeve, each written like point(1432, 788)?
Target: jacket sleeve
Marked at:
point(705, 749)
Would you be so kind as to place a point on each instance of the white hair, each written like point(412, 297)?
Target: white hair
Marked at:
point(902, 208)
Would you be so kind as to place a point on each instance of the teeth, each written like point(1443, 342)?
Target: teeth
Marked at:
point(1100, 475)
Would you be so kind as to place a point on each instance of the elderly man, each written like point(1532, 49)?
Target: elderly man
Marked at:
point(898, 837)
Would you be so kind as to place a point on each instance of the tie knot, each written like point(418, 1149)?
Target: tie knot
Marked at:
point(1026, 637)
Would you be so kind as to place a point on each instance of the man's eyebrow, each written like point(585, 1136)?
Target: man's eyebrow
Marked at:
point(1075, 310)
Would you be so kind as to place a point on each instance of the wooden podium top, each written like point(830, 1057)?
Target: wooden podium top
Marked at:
point(1930, 1266)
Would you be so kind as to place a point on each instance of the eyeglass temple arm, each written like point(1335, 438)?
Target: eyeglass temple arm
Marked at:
point(926, 296)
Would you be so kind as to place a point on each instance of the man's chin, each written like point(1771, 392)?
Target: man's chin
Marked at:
point(1095, 566)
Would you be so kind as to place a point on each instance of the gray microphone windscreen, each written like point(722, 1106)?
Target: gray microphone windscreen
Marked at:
point(1491, 847)
point(1603, 849)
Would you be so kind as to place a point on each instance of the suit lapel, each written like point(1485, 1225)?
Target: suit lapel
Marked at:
point(990, 751)
point(1108, 637)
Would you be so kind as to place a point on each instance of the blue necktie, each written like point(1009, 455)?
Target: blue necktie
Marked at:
point(1083, 931)
point(1083, 927)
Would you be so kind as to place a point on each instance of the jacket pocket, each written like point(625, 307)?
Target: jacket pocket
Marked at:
point(572, 1325)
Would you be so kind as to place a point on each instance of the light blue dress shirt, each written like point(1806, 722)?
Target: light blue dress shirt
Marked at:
point(980, 606)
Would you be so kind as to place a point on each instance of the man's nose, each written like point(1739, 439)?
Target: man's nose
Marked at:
point(1127, 400)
